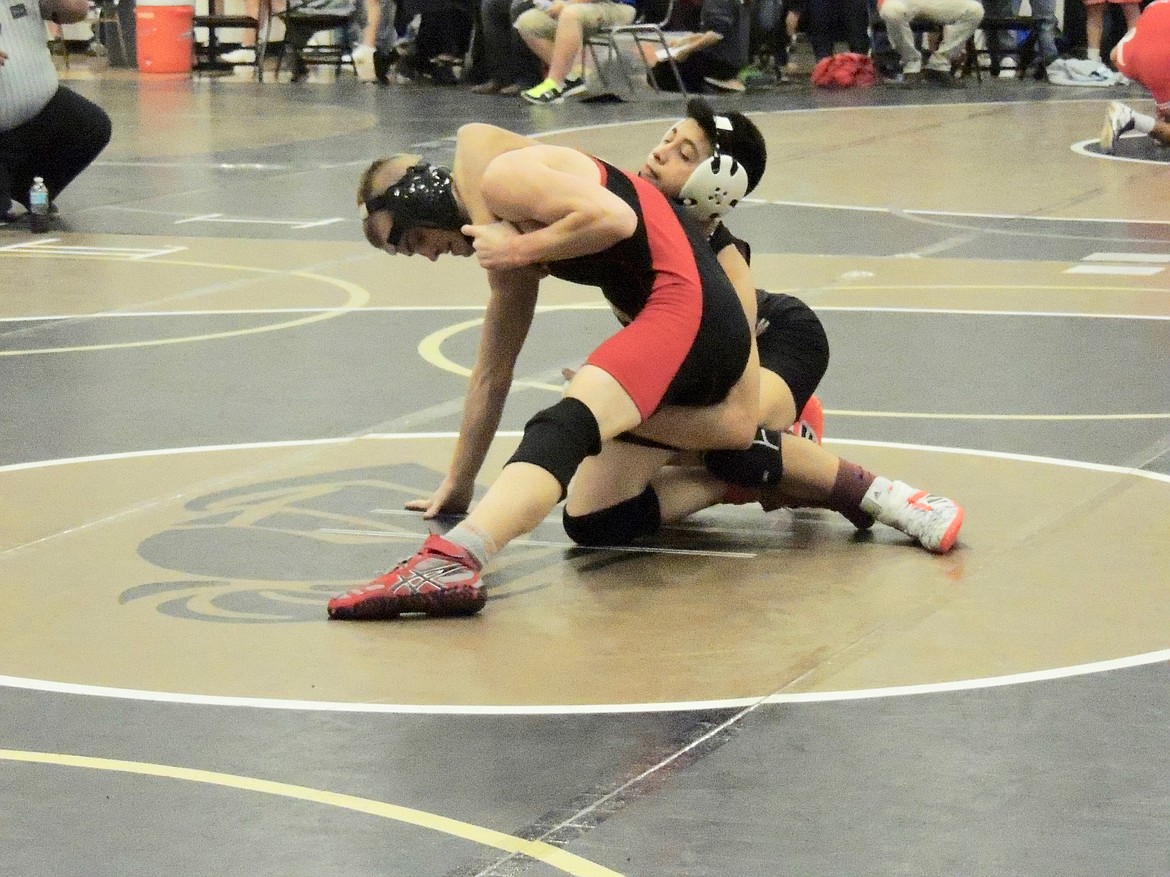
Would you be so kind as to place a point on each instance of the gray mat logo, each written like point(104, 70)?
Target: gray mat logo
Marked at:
point(274, 552)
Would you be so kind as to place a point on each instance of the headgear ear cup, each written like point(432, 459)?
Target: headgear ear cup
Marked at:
point(714, 188)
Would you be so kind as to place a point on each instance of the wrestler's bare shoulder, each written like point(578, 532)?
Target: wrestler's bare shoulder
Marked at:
point(489, 141)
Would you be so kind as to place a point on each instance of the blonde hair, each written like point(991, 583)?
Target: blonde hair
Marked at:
point(378, 177)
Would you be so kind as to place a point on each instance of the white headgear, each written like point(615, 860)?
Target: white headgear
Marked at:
point(716, 185)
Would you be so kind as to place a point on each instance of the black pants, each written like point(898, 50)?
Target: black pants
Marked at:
point(826, 21)
point(57, 144)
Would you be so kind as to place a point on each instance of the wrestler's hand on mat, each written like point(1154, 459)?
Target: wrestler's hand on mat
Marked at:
point(492, 243)
point(449, 499)
point(3, 58)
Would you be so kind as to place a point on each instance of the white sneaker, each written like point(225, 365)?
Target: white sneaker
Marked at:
point(363, 60)
point(239, 56)
point(1118, 120)
point(1008, 68)
point(933, 520)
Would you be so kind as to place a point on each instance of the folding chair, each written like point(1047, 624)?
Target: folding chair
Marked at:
point(644, 29)
point(1026, 51)
point(314, 16)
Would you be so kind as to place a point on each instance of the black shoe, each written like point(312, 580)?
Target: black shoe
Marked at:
point(382, 64)
point(942, 78)
point(903, 80)
point(299, 70)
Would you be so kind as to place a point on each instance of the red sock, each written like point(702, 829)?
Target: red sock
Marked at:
point(849, 488)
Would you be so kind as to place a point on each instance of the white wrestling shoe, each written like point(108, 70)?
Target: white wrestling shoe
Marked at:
point(933, 520)
point(1118, 120)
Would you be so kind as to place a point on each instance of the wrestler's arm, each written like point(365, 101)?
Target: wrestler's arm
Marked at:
point(731, 423)
point(554, 195)
point(476, 146)
point(506, 322)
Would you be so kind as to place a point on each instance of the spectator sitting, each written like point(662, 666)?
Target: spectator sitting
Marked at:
point(826, 20)
point(444, 36)
point(555, 31)
point(508, 64)
point(960, 19)
point(46, 130)
point(715, 55)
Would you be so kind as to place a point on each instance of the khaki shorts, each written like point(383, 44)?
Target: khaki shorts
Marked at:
point(593, 15)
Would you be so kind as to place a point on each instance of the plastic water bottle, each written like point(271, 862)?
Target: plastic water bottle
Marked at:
point(38, 206)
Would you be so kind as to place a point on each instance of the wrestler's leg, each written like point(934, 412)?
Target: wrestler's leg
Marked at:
point(523, 494)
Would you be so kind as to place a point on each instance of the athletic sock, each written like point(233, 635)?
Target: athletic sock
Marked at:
point(849, 488)
point(474, 540)
point(1093, 54)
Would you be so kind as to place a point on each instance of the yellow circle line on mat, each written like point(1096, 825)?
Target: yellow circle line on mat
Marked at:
point(358, 296)
point(430, 349)
point(547, 853)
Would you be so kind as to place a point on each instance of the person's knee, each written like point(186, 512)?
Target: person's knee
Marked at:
point(756, 466)
point(893, 12)
point(619, 524)
point(972, 13)
point(103, 129)
point(532, 23)
point(558, 438)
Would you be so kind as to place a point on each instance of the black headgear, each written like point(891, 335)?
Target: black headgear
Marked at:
point(422, 198)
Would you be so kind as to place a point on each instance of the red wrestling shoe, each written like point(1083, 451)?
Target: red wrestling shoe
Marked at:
point(811, 422)
point(442, 579)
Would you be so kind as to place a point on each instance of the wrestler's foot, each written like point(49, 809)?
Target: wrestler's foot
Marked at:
point(1118, 120)
point(442, 579)
point(933, 520)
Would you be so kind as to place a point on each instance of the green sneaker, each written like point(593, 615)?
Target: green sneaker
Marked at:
point(548, 92)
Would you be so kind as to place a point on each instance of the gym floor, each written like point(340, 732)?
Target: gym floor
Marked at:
point(217, 397)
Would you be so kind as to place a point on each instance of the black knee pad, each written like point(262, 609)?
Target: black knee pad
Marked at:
point(619, 524)
point(756, 466)
point(558, 438)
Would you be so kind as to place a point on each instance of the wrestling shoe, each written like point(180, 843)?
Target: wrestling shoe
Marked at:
point(548, 92)
point(442, 579)
point(1118, 120)
point(811, 422)
point(933, 520)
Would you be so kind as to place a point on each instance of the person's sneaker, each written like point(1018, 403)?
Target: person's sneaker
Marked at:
point(513, 89)
point(756, 78)
point(442, 579)
point(574, 84)
point(383, 65)
point(239, 56)
point(1118, 120)
point(363, 62)
point(811, 422)
point(942, 78)
point(933, 520)
point(903, 79)
point(548, 92)
point(489, 87)
point(725, 85)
